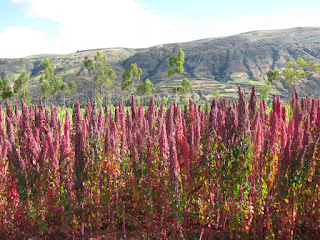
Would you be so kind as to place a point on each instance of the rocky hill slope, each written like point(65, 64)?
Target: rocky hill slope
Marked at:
point(214, 65)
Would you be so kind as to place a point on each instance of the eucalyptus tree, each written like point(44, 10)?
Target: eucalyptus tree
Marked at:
point(273, 76)
point(184, 89)
point(129, 76)
point(6, 91)
point(176, 63)
point(21, 86)
point(146, 88)
point(51, 85)
point(103, 74)
point(294, 73)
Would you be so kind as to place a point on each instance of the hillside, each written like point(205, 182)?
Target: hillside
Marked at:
point(214, 65)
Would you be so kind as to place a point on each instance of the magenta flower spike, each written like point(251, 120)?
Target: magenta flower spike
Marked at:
point(115, 137)
point(317, 119)
point(88, 110)
point(230, 126)
point(191, 135)
point(121, 108)
point(284, 114)
point(58, 136)
point(151, 108)
point(186, 163)
point(149, 152)
point(297, 136)
point(169, 122)
point(279, 107)
point(10, 130)
point(2, 125)
point(253, 102)
point(191, 141)
point(151, 116)
point(274, 124)
point(79, 146)
point(106, 111)
point(107, 137)
point(123, 120)
point(93, 123)
point(54, 118)
point(133, 108)
point(243, 116)
point(284, 135)
point(17, 115)
point(43, 153)
point(220, 123)
point(123, 146)
point(47, 117)
point(262, 111)
point(116, 115)
point(14, 157)
point(163, 141)
point(286, 157)
point(259, 137)
point(64, 151)
point(9, 111)
point(67, 127)
point(128, 122)
point(174, 168)
point(160, 112)
point(290, 131)
point(51, 149)
point(313, 111)
point(101, 120)
point(306, 132)
point(3, 148)
point(213, 117)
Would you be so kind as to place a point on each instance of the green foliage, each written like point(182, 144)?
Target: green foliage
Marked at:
point(25, 95)
point(64, 87)
point(265, 91)
point(128, 77)
point(5, 89)
point(314, 67)
point(164, 100)
point(98, 99)
point(19, 86)
point(273, 76)
point(46, 90)
point(146, 88)
point(22, 82)
point(177, 63)
point(183, 99)
point(293, 74)
point(48, 69)
point(185, 87)
point(51, 85)
point(103, 74)
point(72, 86)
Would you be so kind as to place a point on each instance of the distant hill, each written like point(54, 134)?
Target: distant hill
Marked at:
point(214, 65)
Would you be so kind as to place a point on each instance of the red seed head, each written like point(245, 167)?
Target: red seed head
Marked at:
point(253, 103)
point(243, 117)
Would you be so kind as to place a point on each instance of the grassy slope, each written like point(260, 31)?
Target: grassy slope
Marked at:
point(214, 65)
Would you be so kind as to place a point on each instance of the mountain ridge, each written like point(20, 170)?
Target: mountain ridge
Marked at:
point(214, 65)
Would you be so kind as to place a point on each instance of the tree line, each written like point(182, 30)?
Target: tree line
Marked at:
point(103, 76)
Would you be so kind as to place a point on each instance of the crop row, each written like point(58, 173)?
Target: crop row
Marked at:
point(227, 171)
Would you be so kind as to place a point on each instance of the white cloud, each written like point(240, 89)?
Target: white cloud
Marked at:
point(21, 41)
point(125, 23)
point(100, 23)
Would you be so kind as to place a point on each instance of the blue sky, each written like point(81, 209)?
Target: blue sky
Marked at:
point(29, 27)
